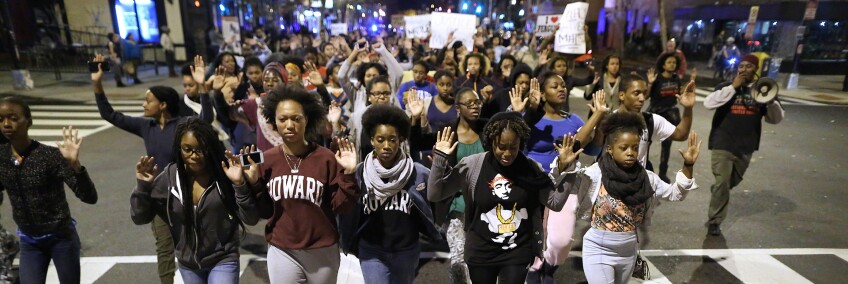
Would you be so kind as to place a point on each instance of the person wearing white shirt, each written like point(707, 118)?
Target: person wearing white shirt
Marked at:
point(168, 47)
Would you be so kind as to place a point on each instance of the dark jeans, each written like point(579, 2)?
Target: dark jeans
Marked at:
point(379, 266)
point(503, 274)
point(63, 250)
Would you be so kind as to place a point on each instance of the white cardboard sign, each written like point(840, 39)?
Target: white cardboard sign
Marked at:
point(338, 29)
point(417, 26)
point(463, 27)
point(570, 38)
point(546, 24)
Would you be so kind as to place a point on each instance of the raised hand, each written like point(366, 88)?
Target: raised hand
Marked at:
point(690, 156)
point(70, 145)
point(236, 172)
point(218, 81)
point(444, 141)
point(693, 75)
point(567, 155)
point(535, 93)
point(198, 70)
point(415, 105)
point(145, 169)
point(687, 100)
point(599, 102)
point(515, 99)
point(543, 57)
point(346, 155)
point(597, 79)
point(314, 76)
point(652, 75)
point(97, 76)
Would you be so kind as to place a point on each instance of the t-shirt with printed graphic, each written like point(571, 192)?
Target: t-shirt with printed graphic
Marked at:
point(663, 93)
point(427, 90)
point(737, 125)
point(501, 228)
point(391, 227)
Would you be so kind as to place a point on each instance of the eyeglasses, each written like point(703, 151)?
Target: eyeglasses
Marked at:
point(472, 104)
point(188, 151)
point(380, 94)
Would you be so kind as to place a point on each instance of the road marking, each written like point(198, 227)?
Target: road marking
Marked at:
point(48, 119)
point(133, 108)
point(749, 265)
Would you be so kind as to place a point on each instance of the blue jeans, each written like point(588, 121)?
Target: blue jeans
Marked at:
point(379, 266)
point(223, 273)
point(37, 253)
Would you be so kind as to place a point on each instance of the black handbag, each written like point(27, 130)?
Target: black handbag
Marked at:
point(640, 268)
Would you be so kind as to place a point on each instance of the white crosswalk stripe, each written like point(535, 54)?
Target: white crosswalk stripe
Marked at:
point(48, 119)
point(747, 265)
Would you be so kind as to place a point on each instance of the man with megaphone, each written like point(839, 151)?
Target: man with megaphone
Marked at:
point(735, 134)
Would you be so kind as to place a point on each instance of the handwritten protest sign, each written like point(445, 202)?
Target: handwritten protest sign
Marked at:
point(417, 26)
point(463, 27)
point(338, 29)
point(570, 38)
point(546, 24)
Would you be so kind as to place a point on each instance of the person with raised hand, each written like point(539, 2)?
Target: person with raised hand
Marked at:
point(157, 128)
point(304, 187)
point(505, 195)
point(33, 174)
point(213, 195)
point(617, 195)
point(384, 228)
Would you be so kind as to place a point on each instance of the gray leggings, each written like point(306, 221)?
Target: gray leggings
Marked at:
point(608, 257)
point(320, 265)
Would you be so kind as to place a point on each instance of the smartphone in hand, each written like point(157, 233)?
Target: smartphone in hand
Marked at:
point(92, 66)
point(257, 156)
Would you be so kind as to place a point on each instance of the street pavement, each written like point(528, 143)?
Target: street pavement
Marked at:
point(786, 221)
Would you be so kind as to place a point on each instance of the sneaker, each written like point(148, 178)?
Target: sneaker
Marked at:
point(121, 84)
point(714, 230)
point(137, 81)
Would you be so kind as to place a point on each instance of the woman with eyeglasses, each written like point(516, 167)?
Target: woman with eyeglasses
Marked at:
point(158, 129)
point(469, 129)
point(212, 201)
point(379, 92)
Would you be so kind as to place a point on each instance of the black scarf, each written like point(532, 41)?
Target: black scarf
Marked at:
point(632, 186)
point(522, 173)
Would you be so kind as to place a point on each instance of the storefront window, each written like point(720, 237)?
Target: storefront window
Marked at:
point(825, 40)
point(139, 18)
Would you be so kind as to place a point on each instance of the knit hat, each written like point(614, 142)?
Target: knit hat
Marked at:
point(280, 69)
point(169, 96)
point(750, 58)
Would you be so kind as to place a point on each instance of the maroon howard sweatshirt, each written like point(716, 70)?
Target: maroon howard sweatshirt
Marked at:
point(301, 207)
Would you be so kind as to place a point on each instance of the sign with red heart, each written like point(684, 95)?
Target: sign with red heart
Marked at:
point(546, 24)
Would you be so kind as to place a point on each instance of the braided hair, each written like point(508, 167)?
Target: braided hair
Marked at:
point(502, 122)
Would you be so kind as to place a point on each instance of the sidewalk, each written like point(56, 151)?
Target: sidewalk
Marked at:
point(76, 87)
point(826, 89)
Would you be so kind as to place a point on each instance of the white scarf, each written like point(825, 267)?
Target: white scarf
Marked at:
point(195, 106)
point(612, 93)
point(270, 134)
point(397, 176)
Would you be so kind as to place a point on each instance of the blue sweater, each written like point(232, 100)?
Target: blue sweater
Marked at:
point(425, 91)
point(158, 141)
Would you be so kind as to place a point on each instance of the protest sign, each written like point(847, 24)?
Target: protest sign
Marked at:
point(232, 32)
point(546, 24)
point(338, 29)
point(463, 27)
point(570, 38)
point(417, 26)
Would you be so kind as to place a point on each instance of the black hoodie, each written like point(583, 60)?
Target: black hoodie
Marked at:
point(215, 237)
